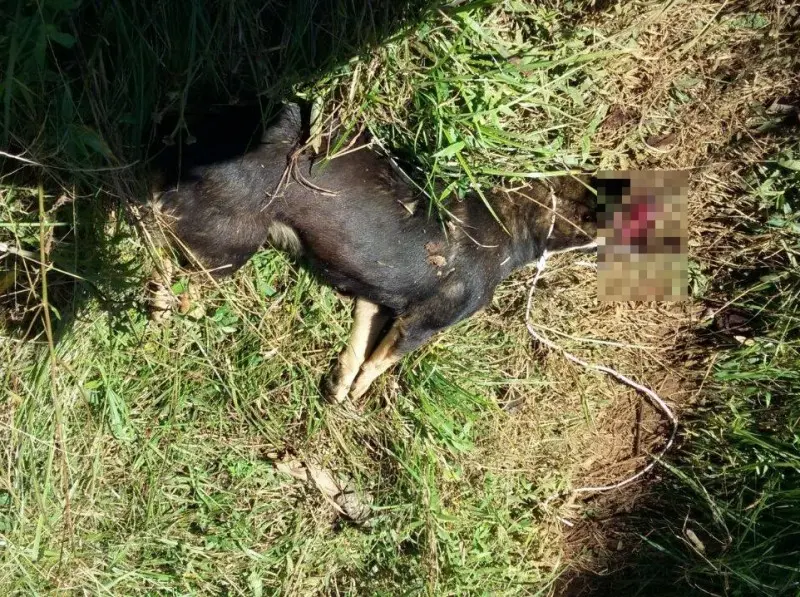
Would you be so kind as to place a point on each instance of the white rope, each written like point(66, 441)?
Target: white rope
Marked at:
point(654, 398)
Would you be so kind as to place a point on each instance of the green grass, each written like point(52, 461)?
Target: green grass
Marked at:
point(515, 99)
point(176, 490)
point(736, 484)
point(138, 458)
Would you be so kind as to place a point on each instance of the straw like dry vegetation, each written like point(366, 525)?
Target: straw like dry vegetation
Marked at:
point(179, 456)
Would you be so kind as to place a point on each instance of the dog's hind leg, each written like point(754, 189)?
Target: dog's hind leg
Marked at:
point(385, 355)
point(406, 334)
point(416, 326)
point(369, 320)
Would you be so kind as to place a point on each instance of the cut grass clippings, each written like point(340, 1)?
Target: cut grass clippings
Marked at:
point(146, 457)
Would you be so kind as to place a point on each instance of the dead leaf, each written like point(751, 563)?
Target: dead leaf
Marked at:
point(695, 540)
point(355, 505)
point(410, 206)
point(344, 498)
point(661, 140)
point(324, 480)
point(293, 468)
point(184, 304)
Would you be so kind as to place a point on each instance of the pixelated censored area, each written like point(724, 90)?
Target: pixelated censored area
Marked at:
point(642, 232)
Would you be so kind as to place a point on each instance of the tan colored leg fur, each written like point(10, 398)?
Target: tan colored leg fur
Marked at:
point(384, 356)
point(368, 322)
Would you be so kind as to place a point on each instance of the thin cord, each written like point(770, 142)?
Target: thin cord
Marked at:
point(654, 398)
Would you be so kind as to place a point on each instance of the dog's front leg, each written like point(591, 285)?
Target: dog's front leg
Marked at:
point(368, 323)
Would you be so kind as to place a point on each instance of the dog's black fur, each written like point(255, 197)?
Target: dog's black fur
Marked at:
point(362, 228)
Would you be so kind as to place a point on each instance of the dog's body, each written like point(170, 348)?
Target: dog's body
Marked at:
point(362, 229)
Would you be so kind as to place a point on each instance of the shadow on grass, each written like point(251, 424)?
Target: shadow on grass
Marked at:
point(89, 86)
point(725, 518)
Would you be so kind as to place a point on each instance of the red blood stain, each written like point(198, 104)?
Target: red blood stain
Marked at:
point(634, 223)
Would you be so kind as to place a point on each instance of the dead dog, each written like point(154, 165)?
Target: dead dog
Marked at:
point(362, 228)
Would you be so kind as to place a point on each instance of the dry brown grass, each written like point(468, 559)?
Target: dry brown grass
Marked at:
point(214, 402)
point(585, 428)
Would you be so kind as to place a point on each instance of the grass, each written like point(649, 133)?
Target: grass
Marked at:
point(746, 447)
point(726, 520)
point(141, 458)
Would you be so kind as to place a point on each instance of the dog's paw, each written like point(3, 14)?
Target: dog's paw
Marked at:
point(334, 387)
point(361, 384)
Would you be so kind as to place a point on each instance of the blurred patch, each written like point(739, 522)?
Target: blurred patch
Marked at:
point(642, 236)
